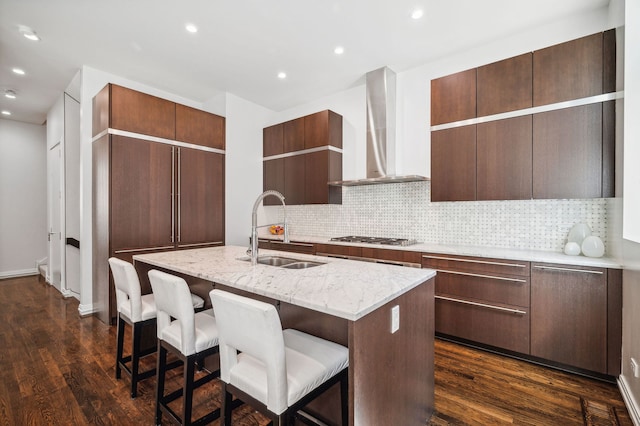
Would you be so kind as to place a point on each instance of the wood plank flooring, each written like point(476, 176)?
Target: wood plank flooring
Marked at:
point(57, 368)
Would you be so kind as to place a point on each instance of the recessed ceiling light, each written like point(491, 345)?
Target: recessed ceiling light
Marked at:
point(282, 75)
point(191, 28)
point(10, 94)
point(417, 14)
point(18, 71)
point(339, 50)
point(5, 112)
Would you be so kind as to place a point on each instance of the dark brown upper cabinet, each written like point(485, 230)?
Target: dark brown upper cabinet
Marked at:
point(504, 166)
point(120, 108)
point(505, 85)
point(567, 153)
point(199, 127)
point(303, 177)
point(453, 98)
point(568, 71)
point(453, 164)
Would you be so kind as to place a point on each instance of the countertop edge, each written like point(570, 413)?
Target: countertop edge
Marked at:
point(475, 251)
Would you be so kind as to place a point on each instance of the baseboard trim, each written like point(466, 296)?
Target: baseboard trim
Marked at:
point(19, 273)
point(85, 310)
point(632, 405)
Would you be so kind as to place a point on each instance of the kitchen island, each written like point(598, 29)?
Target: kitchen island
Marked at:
point(390, 373)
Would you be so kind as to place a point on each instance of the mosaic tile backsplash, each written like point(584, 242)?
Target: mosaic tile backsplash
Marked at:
point(404, 210)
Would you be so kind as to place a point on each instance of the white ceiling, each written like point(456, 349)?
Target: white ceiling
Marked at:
point(241, 45)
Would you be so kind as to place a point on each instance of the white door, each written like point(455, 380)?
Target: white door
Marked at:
point(54, 270)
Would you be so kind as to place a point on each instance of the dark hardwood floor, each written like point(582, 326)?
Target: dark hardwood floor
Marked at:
point(57, 368)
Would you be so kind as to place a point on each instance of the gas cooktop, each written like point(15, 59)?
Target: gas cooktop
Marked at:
point(375, 240)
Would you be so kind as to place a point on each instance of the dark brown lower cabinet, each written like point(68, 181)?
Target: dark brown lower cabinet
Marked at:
point(573, 315)
point(482, 300)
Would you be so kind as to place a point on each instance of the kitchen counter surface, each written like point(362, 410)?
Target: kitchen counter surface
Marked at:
point(343, 288)
point(498, 253)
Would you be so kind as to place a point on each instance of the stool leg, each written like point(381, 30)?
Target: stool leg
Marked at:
point(135, 357)
point(161, 369)
point(344, 397)
point(226, 409)
point(119, 346)
point(187, 393)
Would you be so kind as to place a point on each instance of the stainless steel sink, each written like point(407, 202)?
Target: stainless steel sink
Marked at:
point(302, 265)
point(275, 260)
point(285, 262)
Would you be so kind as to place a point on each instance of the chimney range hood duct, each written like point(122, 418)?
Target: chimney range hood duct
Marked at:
point(381, 132)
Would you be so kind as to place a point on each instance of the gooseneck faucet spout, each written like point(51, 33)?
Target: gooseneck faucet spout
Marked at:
point(254, 223)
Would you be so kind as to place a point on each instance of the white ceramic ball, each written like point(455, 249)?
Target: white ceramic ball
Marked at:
point(592, 246)
point(572, 248)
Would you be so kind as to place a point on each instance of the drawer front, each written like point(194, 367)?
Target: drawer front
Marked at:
point(478, 265)
point(402, 256)
point(293, 246)
point(510, 290)
point(338, 250)
point(502, 327)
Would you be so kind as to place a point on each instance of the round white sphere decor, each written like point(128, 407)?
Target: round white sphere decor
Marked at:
point(592, 246)
point(572, 248)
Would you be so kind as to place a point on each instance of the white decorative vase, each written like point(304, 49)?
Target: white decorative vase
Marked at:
point(572, 248)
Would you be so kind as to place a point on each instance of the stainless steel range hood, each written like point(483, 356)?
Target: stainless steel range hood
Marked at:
point(381, 132)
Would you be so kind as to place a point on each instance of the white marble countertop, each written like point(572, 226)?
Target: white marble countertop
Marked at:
point(343, 288)
point(498, 253)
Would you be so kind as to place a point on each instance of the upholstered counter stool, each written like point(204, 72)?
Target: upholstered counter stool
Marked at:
point(277, 372)
point(138, 311)
point(190, 336)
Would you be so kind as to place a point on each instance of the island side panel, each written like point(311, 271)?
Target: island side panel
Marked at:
point(391, 377)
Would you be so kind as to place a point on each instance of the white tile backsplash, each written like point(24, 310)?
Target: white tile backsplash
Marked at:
point(404, 210)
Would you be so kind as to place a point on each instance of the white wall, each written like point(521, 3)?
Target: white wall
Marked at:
point(23, 195)
point(243, 165)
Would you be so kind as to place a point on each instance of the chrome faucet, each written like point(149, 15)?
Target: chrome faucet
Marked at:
point(254, 223)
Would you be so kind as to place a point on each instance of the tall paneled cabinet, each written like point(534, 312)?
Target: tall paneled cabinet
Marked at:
point(158, 181)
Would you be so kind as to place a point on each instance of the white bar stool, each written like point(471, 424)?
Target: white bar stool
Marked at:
point(138, 311)
point(190, 336)
point(277, 372)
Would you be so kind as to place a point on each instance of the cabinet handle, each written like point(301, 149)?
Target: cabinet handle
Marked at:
point(515, 280)
point(142, 249)
point(202, 244)
point(483, 305)
point(484, 262)
point(179, 171)
point(293, 244)
point(555, 268)
point(335, 256)
point(173, 192)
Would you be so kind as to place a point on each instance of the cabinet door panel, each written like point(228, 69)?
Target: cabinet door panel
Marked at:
point(273, 178)
point(273, 140)
point(494, 289)
point(567, 153)
point(323, 128)
point(453, 164)
point(293, 134)
point(294, 176)
point(453, 98)
point(320, 168)
point(505, 85)
point(199, 127)
point(504, 159)
point(567, 71)
point(142, 113)
point(569, 316)
point(140, 193)
point(201, 199)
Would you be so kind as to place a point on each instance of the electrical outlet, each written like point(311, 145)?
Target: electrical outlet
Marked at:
point(634, 368)
point(395, 319)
